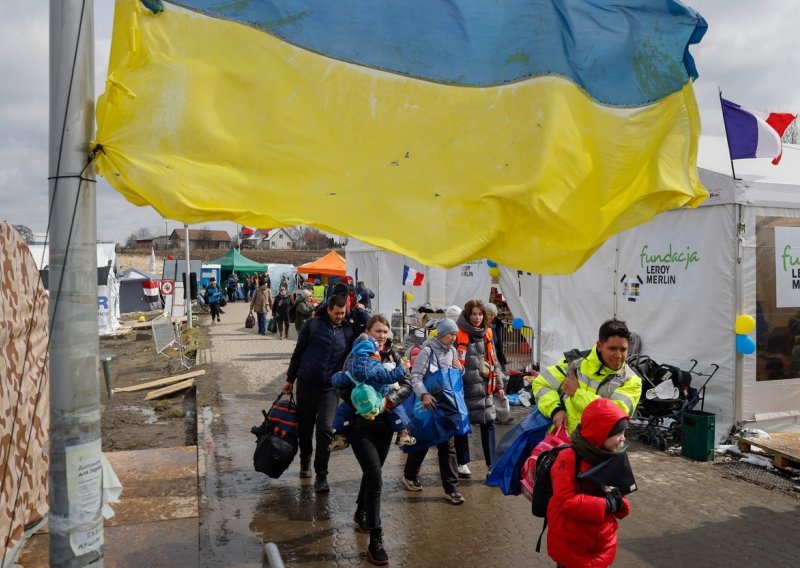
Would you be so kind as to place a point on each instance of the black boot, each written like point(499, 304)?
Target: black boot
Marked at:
point(360, 519)
point(376, 553)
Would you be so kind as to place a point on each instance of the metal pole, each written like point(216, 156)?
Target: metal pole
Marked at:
point(722, 109)
point(76, 522)
point(188, 278)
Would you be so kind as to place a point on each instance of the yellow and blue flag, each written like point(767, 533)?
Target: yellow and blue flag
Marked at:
point(526, 131)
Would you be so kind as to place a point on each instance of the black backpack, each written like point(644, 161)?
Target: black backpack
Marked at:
point(543, 485)
point(293, 311)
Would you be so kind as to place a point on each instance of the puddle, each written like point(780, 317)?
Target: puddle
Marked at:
point(148, 413)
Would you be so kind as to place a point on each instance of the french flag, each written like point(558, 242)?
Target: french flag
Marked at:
point(411, 276)
point(753, 134)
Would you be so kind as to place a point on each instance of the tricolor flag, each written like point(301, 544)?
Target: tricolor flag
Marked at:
point(412, 277)
point(754, 134)
point(576, 118)
point(150, 288)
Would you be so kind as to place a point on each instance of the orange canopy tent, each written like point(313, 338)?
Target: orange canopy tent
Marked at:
point(332, 264)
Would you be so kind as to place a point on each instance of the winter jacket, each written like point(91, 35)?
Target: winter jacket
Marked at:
point(473, 345)
point(364, 296)
point(280, 307)
point(262, 300)
point(364, 366)
point(595, 380)
point(580, 532)
point(303, 311)
point(318, 355)
point(431, 351)
point(212, 294)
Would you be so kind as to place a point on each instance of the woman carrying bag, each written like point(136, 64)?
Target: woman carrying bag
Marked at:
point(435, 351)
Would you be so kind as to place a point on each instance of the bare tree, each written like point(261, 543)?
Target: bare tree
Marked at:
point(204, 238)
point(138, 234)
point(792, 134)
point(24, 232)
point(315, 239)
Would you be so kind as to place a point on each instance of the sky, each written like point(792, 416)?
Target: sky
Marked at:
point(749, 52)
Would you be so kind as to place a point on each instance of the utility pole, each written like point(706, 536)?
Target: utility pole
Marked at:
point(76, 521)
point(188, 290)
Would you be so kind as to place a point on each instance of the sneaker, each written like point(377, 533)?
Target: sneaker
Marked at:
point(321, 484)
point(412, 484)
point(405, 439)
point(464, 472)
point(455, 497)
point(338, 443)
point(376, 553)
point(360, 519)
point(305, 469)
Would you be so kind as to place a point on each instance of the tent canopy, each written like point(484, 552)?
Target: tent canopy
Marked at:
point(234, 261)
point(332, 264)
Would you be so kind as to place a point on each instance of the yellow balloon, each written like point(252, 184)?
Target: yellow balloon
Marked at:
point(141, 318)
point(526, 332)
point(494, 272)
point(745, 324)
point(409, 297)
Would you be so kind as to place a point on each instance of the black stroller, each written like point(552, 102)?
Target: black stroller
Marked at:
point(666, 392)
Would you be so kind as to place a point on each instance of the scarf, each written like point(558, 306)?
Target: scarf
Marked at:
point(587, 451)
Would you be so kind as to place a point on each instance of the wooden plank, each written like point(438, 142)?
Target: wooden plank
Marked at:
point(160, 382)
point(169, 390)
point(785, 446)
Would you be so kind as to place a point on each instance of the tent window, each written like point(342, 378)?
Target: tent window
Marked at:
point(777, 314)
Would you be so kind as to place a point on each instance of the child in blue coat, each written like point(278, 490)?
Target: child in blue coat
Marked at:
point(363, 367)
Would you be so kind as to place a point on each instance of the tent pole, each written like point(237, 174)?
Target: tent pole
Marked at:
point(538, 341)
point(738, 395)
point(75, 519)
point(188, 287)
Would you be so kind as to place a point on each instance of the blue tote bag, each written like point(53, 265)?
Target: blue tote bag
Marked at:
point(516, 446)
point(450, 418)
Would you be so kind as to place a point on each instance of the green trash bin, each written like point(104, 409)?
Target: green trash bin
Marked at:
point(697, 435)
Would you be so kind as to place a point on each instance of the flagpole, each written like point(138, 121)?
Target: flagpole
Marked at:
point(75, 518)
point(727, 140)
point(188, 290)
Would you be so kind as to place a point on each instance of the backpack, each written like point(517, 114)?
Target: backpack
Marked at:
point(543, 485)
point(276, 438)
point(293, 311)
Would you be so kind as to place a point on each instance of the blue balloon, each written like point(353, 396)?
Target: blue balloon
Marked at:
point(491, 263)
point(517, 323)
point(745, 344)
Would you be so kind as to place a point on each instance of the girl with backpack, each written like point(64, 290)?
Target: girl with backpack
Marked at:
point(582, 516)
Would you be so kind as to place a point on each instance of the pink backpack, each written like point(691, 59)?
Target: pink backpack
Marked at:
point(555, 438)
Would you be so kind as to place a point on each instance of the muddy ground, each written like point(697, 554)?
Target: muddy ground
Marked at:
point(129, 422)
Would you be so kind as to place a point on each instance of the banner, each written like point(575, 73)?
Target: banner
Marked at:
point(787, 267)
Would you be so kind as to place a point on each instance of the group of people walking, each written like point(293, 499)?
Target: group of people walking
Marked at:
point(329, 341)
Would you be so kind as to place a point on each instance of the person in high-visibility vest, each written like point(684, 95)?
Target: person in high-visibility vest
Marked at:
point(564, 390)
point(319, 292)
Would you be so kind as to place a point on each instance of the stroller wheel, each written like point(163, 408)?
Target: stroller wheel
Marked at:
point(645, 438)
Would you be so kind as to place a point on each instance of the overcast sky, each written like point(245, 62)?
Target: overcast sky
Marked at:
point(750, 51)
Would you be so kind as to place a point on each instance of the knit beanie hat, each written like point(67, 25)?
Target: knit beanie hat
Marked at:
point(491, 308)
point(619, 427)
point(452, 312)
point(446, 326)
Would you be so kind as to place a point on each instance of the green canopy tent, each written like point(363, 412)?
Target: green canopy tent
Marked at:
point(234, 261)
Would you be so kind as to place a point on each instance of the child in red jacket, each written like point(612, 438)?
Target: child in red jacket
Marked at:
point(582, 518)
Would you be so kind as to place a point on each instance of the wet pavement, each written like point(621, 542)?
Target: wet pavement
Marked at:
point(685, 513)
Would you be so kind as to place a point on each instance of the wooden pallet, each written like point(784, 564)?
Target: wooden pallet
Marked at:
point(785, 446)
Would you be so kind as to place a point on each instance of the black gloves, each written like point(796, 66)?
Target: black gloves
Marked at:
point(613, 500)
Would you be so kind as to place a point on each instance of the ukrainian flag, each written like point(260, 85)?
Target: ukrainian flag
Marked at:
point(526, 131)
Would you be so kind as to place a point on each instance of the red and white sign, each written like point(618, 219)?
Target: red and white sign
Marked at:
point(167, 287)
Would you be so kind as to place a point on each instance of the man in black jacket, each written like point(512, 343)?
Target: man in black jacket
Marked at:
point(322, 346)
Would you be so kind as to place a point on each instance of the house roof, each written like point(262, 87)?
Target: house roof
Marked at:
point(201, 234)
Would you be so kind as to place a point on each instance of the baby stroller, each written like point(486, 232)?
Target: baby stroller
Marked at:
point(666, 392)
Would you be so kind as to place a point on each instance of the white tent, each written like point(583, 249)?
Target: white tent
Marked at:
point(107, 283)
point(681, 280)
point(382, 272)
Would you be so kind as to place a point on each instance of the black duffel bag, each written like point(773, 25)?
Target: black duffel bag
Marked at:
point(276, 438)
